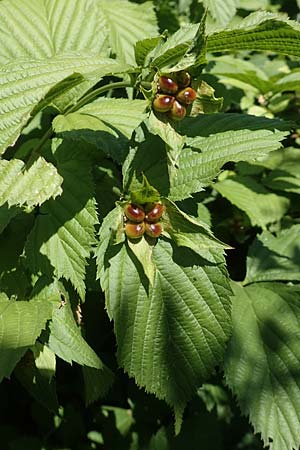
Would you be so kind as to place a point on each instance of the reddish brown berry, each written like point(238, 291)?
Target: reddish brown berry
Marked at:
point(134, 230)
point(153, 230)
point(186, 96)
point(134, 213)
point(183, 79)
point(163, 103)
point(167, 85)
point(177, 112)
point(155, 213)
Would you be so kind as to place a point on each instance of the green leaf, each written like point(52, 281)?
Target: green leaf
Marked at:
point(215, 140)
point(182, 50)
point(171, 335)
point(63, 234)
point(127, 23)
point(222, 11)
point(143, 48)
point(66, 341)
point(45, 360)
point(187, 231)
point(262, 360)
point(107, 122)
point(52, 40)
point(6, 214)
point(240, 73)
point(286, 175)
point(44, 28)
point(221, 138)
point(206, 102)
point(273, 258)
point(33, 186)
point(39, 386)
point(142, 249)
point(259, 31)
point(261, 206)
point(96, 383)
point(21, 322)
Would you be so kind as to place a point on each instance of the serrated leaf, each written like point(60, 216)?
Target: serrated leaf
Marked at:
point(51, 40)
point(33, 186)
point(230, 70)
point(221, 138)
point(286, 174)
point(107, 123)
point(143, 48)
point(171, 335)
point(44, 28)
point(45, 360)
point(66, 341)
point(206, 102)
point(217, 139)
point(96, 383)
point(273, 258)
point(182, 50)
point(6, 214)
point(63, 234)
point(187, 231)
point(40, 387)
point(127, 23)
point(142, 249)
point(222, 11)
point(261, 206)
point(259, 31)
point(21, 322)
point(262, 360)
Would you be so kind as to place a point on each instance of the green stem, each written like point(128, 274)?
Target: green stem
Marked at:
point(94, 94)
point(83, 101)
point(36, 151)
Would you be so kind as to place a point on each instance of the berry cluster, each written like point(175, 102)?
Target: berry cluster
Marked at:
point(174, 95)
point(140, 220)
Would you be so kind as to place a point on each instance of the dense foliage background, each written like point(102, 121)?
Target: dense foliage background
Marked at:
point(157, 344)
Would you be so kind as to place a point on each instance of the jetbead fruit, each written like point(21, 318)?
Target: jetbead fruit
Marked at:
point(186, 96)
point(163, 103)
point(134, 213)
point(183, 79)
point(155, 213)
point(153, 230)
point(134, 230)
point(178, 111)
point(167, 85)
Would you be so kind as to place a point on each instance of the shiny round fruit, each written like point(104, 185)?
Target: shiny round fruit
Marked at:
point(155, 213)
point(186, 96)
point(153, 230)
point(163, 103)
point(134, 213)
point(134, 230)
point(177, 112)
point(183, 79)
point(167, 85)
